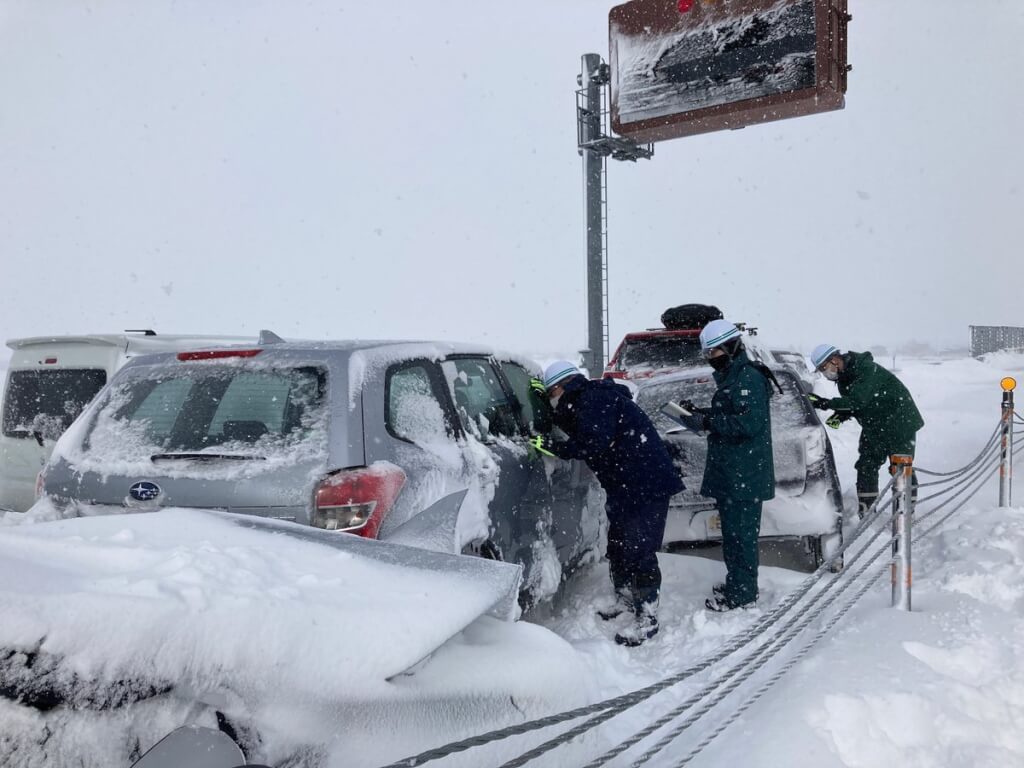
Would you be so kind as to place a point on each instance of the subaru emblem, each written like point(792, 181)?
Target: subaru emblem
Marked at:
point(144, 491)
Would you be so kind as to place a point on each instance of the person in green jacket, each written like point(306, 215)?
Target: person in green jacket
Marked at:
point(882, 405)
point(740, 471)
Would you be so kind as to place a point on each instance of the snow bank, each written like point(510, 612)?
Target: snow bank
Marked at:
point(203, 595)
point(308, 645)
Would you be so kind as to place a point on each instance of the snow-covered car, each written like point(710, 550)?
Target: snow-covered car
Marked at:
point(50, 379)
point(808, 498)
point(349, 436)
point(306, 647)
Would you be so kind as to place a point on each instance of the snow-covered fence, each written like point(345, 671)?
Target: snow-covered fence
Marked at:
point(806, 615)
point(995, 338)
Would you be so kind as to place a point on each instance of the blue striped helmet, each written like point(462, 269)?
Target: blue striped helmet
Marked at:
point(821, 354)
point(716, 333)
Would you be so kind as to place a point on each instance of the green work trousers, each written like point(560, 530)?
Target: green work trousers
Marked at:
point(873, 453)
point(741, 526)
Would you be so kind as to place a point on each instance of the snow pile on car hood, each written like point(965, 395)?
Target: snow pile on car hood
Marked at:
point(202, 597)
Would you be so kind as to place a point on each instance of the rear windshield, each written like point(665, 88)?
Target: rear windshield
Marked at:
point(651, 398)
point(789, 409)
point(209, 409)
point(664, 352)
point(46, 402)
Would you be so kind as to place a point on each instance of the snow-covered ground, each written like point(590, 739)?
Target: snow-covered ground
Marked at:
point(941, 686)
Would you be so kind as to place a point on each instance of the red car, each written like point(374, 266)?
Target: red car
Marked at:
point(643, 354)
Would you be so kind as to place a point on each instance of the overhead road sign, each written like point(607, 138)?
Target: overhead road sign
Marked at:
point(680, 68)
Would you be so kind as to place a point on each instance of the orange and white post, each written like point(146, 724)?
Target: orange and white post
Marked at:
point(1006, 443)
point(902, 468)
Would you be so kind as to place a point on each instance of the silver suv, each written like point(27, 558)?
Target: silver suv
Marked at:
point(422, 443)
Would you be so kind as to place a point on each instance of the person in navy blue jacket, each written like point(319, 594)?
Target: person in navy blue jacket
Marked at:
point(608, 431)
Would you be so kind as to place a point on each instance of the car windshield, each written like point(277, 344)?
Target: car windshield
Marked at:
point(661, 352)
point(208, 409)
point(47, 401)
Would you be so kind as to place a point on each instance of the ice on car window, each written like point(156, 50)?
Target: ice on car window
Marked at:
point(413, 411)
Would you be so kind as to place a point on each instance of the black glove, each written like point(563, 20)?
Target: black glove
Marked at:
point(821, 403)
point(698, 422)
point(691, 407)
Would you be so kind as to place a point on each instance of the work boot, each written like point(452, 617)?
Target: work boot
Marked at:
point(644, 626)
point(721, 605)
point(864, 502)
point(613, 609)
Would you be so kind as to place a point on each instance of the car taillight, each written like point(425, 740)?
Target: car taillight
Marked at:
point(40, 481)
point(218, 354)
point(356, 500)
point(615, 374)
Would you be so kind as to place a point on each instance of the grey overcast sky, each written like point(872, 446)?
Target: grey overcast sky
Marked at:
point(408, 170)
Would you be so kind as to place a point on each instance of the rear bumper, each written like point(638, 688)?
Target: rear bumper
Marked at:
point(816, 511)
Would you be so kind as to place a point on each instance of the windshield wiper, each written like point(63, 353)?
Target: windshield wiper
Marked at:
point(206, 456)
point(24, 433)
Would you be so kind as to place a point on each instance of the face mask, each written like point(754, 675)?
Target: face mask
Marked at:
point(719, 363)
point(831, 375)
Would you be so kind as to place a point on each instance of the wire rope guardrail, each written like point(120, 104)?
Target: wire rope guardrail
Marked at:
point(743, 670)
point(608, 708)
point(952, 483)
point(960, 485)
point(760, 627)
point(993, 440)
point(778, 675)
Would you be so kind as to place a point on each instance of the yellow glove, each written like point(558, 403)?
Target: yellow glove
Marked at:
point(541, 444)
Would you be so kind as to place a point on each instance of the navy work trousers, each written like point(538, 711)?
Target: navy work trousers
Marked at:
point(635, 533)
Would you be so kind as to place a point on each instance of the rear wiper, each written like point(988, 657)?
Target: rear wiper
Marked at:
point(206, 456)
point(23, 433)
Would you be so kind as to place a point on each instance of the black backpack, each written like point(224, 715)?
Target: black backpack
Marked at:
point(690, 317)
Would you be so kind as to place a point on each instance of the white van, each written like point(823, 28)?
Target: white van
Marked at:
point(50, 379)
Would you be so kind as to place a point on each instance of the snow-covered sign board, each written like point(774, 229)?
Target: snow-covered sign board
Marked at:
point(682, 67)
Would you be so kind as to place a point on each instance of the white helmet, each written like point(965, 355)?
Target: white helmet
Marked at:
point(559, 371)
point(821, 355)
point(716, 333)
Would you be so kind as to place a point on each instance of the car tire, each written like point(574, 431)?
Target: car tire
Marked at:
point(485, 549)
point(821, 547)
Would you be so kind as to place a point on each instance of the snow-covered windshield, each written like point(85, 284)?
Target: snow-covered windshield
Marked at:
point(211, 409)
point(788, 414)
point(652, 397)
point(661, 352)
